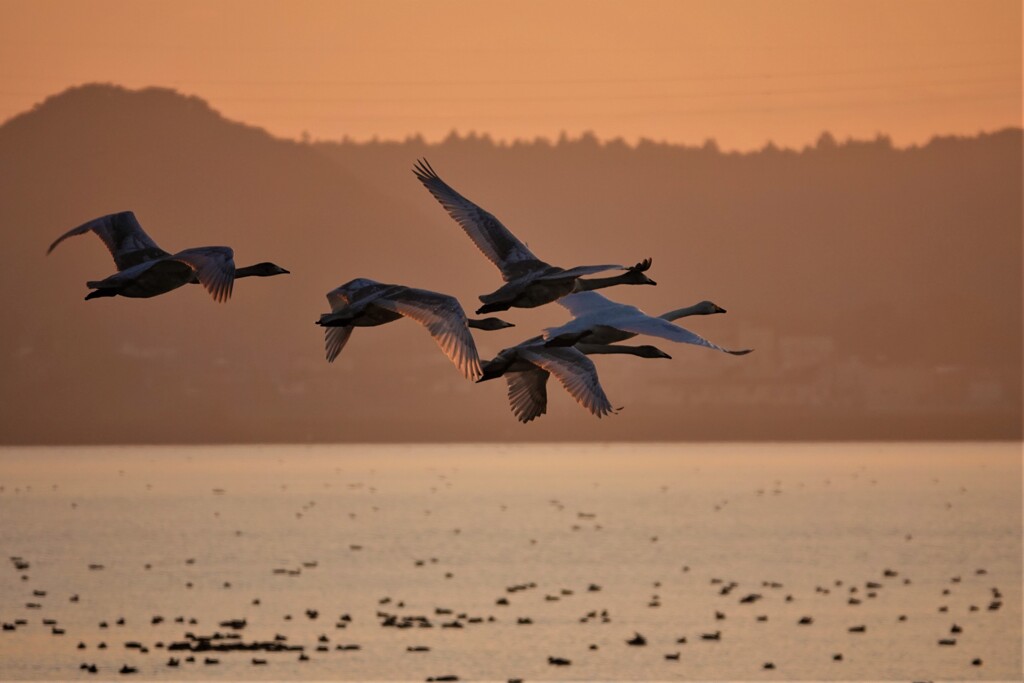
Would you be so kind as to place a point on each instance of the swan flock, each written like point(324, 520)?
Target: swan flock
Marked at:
point(597, 325)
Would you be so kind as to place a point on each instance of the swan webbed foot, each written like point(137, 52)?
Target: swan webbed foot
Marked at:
point(327, 320)
point(99, 293)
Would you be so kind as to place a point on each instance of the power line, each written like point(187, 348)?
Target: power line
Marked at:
point(660, 96)
point(649, 96)
point(504, 115)
point(497, 82)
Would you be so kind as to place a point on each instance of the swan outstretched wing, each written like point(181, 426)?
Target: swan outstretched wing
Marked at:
point(582, 303)
point(124, 238)
point(575, 371)
point(444, 318)
point(335, 339)
point(582, 270)
point(491, 237)
point(214, 268)
point(528, 393)
point(657, 327)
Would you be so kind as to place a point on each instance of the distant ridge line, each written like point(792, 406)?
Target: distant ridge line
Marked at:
point(824, 142)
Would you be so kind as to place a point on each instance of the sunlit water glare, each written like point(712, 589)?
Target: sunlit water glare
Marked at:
point(668, 541)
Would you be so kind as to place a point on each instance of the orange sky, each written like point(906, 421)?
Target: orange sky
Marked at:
point(740, 71)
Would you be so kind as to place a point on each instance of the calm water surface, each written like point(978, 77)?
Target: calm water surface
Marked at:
point(319, 546)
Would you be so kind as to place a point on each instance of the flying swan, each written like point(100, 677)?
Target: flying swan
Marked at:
point(527, 365)
point(529, 282)
point(367, 303)
point(145, 270)
point(597, 319)
point(527, 388)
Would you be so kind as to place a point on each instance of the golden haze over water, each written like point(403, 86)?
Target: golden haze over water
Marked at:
point(878, 279)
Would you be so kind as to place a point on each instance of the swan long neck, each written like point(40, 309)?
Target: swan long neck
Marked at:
point(488, 323)
point(591, 349)
point(681, 312)
point(589, 284)
point(246, 271)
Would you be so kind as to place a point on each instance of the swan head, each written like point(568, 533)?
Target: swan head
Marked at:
point(708, 308)
point(648, 351)
point(489, 324)
point(636, 275)
point(265, 269)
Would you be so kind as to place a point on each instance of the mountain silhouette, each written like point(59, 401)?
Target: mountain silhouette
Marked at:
point(881, 287)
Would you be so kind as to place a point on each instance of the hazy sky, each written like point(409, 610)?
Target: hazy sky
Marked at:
point(740, 71)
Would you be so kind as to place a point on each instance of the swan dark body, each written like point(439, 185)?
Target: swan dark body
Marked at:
point(527, 366)
point(529, 282)
point(367, 303)
point(527, 381)
point(145, 270)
